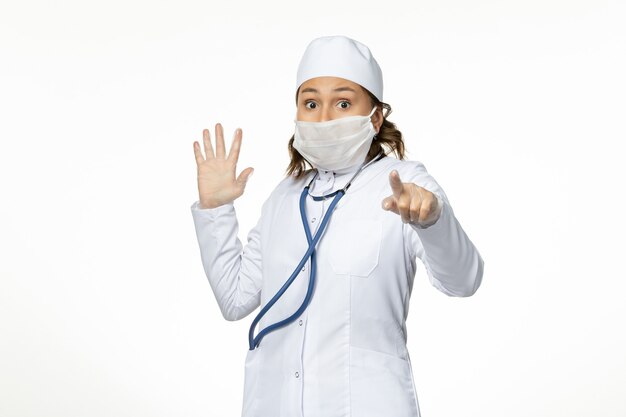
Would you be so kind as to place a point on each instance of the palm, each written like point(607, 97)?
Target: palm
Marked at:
point(217, 184)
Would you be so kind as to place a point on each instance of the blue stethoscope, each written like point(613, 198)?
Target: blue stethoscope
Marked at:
point(310, 253)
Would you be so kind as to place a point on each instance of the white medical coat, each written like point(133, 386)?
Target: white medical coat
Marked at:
point(346, 355)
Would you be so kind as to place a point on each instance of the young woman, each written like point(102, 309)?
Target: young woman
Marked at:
point(332, 258)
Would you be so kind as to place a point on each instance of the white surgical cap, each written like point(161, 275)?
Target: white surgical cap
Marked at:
point(340, 56)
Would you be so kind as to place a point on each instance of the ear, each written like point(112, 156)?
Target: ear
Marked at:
point(377, 118)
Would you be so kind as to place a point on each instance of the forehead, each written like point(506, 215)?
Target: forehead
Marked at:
point(328, 84)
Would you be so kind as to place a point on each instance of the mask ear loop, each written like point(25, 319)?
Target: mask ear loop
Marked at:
point(370, 115)
point(388, 108)
point(385, 115)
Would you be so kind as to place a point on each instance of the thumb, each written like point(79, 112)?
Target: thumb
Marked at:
point(389, 204)
point(243, 177)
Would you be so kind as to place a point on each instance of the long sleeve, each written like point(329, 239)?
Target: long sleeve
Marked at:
point(453, 264)
point(233, 271)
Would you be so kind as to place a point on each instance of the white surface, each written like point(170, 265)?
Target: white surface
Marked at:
point(516, 108)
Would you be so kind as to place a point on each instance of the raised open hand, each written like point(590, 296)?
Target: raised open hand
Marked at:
point(217, 184)
point(414, 204)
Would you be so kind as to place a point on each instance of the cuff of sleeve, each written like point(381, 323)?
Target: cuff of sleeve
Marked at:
point(210, 212)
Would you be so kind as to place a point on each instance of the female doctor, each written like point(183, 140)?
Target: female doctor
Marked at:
point(332, 258)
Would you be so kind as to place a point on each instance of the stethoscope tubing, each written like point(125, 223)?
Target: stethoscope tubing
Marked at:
point(254, 342)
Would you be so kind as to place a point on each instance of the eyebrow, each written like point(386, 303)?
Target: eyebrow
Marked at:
point(313, 90)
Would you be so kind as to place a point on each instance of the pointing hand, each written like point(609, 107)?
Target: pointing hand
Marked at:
point(413, 203)
point(217, 184)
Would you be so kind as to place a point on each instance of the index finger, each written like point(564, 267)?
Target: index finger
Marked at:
point(233, 154)
point(396, 183)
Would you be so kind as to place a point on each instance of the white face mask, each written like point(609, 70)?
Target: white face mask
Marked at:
point(335, 144)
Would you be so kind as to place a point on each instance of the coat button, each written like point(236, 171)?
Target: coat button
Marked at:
point(313, 220)
point(300, 322)
point(297, 374)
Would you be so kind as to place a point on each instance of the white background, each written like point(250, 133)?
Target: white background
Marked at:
point(515, 107)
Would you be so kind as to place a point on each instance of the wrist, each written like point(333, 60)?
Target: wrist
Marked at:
point(207, 204)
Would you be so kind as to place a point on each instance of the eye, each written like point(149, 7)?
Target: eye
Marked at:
point(306, 104)
point(344, 104)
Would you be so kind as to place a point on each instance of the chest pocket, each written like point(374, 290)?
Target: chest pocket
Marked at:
point(354, 247)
